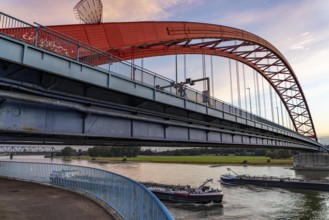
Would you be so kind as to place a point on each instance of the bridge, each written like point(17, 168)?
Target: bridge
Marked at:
point(11, 150)
point(72, 84)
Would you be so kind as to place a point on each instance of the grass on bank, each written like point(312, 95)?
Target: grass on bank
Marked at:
point(204, 159)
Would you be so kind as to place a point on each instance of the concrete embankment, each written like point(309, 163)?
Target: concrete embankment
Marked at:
point(26, 200)
point(311, 161)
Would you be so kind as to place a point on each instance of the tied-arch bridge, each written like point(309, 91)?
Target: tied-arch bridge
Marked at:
point(57, 88)
point(131, 40)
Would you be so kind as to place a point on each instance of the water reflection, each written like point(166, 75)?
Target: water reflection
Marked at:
point(309, 205)
point(312, 175)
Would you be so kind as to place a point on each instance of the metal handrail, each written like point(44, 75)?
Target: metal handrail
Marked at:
point(130, 199)
point(86, 46)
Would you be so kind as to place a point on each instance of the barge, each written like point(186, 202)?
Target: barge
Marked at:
point(173, 193)
point(186, 194)
point(275, 182)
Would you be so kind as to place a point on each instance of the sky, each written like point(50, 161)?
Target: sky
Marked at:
point(298, 28)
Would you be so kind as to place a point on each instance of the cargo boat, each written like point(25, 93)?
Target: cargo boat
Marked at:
point(74, 179)
point(275, 182)
point(186, 194)
point(173, 193)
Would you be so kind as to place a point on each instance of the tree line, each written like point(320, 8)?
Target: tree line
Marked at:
point(120, 151)
point(273, 153)
point(102, 151)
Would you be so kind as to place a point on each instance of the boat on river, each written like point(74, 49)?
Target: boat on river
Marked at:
point(275, 182)
point(74, 179)
point(173, 193)
point(186, 194)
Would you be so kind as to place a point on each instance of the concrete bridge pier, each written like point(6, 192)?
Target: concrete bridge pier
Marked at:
point(311, 161)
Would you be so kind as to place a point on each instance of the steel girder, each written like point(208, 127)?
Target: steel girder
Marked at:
point(27, 149)
point(131, 40)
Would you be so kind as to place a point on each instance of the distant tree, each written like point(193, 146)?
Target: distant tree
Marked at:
point(68, 151)
point(100, 151)
point(243, 152)
point(260, 152)
point(270, 154)
point(279, 154)
point(108, 151)
point(147, 152)
point(131, 151)
point(284, 154)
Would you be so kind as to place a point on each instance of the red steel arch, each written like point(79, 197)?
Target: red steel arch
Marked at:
point(131, 40)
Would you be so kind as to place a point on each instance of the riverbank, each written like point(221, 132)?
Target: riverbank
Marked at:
point(204, 159)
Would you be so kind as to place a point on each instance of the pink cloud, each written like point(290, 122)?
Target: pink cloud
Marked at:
point(128, 10)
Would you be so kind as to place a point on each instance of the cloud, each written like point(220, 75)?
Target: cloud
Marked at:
point(252, 16)
point(301, 45)
point(137, 10)
point(305, 40)
point(61, 11)
point(43, 12)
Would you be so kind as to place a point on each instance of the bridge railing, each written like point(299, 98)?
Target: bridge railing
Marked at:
point(130, 199)
point(59, 43)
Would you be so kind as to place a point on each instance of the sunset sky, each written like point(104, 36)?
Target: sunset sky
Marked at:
point(298, 28)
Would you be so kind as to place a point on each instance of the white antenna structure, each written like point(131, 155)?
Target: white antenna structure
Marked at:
point(89, 11)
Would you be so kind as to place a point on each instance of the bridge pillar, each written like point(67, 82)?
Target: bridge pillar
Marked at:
point(311, 161)
point(11, 156)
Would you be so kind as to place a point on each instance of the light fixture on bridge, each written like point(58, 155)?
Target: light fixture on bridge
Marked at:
point(89, 11)
point(249, 99)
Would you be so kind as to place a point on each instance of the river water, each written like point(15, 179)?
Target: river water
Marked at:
point(238, 202)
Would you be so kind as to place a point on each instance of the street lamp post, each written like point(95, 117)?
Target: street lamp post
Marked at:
point(249, 100)
point(277, 112)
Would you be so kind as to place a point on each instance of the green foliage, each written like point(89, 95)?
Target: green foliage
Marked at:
point(100, 151)
point(279, 154)
point(260, 152)
point(251, 160)
point(108, 151)
point(212, 159)
point(207, 151)
point(68, 152)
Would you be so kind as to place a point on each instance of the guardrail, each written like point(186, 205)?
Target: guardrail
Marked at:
point(129, 198)
point(59, 43)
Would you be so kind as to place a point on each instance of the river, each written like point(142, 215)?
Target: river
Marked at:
point(238, 202)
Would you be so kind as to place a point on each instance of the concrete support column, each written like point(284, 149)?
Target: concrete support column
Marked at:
point(311, 161)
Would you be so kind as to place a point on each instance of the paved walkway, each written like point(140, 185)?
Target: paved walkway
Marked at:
point(27, 201)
